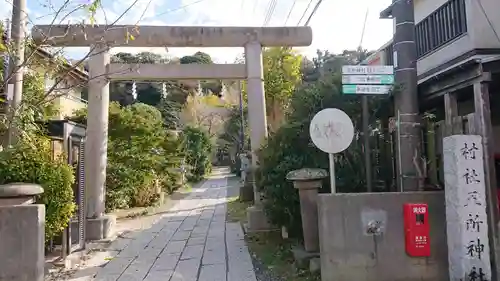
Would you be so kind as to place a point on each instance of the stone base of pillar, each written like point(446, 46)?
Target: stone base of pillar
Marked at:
point(100, 228)
point(257, 220)
point(246, 193)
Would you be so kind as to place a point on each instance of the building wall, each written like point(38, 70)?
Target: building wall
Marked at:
point(444, 54)
point(424, 7)
point(451, 50)
point(349, 254)
point(482, 32)
point(69, 96)
point(68, 105)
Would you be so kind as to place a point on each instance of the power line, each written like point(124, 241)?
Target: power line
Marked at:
point(313, 12)
point(267, 11)
point(290, 12)
point(305, 11)
point(176, 9)
point(271, 11)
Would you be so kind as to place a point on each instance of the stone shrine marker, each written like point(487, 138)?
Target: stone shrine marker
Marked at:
point(466, 218)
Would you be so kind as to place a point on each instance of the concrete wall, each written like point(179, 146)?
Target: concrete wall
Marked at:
point(22, 232)
point(348, 254)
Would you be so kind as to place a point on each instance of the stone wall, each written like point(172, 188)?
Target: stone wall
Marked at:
point(348, 253)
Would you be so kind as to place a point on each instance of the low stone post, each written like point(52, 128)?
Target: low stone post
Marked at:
point(308, 181)
point(244, 166)
point(246, 189)
point(22, 233)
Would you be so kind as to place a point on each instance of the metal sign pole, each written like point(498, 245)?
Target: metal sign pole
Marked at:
point(331, 157)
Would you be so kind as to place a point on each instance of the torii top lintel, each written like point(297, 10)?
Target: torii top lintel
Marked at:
point(169, 36)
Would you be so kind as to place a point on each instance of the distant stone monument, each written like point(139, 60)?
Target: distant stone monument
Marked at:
point(244, 166)
point(466, 218)
point(246, 189)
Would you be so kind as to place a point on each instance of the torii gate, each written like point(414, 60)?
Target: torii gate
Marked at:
point(102, 38)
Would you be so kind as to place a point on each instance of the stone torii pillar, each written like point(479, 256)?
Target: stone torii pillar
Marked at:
point(258, 126)
point(99, 225)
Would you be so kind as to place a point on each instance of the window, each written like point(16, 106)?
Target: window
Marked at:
point(443, 25)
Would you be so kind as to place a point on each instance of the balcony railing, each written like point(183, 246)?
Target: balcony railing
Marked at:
point(442, 26)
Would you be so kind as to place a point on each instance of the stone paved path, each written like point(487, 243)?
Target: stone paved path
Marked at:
point(192, 242)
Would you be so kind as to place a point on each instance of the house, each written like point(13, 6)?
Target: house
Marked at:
point(67, 94)
point(69, 91)
point(458, 47)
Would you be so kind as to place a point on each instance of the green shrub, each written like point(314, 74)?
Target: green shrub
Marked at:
point(30, 161)
point(145, 194)
point(140, 152)
point(290, 148)
point(198, 149)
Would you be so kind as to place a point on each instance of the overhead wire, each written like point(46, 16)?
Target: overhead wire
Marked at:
point(290, 12)
point(176, 9)
point(272, 8)
point(313, 12)
point(267, 11)
point(305, 12)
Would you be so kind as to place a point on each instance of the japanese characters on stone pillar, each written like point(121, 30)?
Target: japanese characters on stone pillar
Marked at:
point(466, 222)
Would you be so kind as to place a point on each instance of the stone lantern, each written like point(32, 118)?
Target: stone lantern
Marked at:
point(19, 193)
point(308, 181)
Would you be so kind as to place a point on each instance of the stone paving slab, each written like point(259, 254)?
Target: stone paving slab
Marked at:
point(192, 242)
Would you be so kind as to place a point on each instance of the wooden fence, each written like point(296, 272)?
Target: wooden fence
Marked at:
point(384, 151)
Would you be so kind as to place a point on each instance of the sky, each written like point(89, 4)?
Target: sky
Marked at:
point(337, 25)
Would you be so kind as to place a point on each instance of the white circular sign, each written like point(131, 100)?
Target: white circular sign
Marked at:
point(331, 130)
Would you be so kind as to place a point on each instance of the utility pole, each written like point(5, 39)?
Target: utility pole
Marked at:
point(17, 60)
point(406, 99)
point(366, 122)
